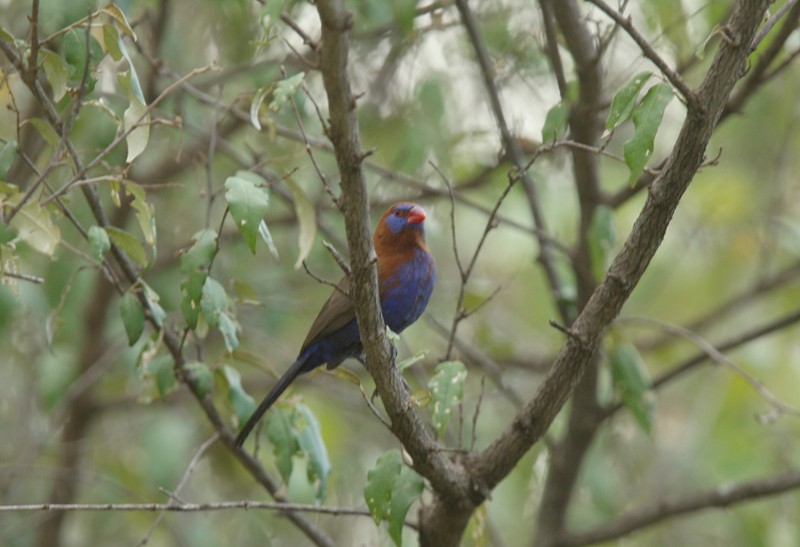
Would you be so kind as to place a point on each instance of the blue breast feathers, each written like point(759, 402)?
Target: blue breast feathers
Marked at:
point(407, 292)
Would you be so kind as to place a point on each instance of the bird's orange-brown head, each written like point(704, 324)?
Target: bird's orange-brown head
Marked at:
point(400, 230)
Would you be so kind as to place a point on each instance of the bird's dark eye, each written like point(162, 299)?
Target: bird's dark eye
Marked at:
point(398, 213)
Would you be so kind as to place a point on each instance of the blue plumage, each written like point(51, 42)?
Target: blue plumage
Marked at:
point(406, 277)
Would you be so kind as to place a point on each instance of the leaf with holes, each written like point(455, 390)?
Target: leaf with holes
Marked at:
point(380, 481)
point(195, 264)
point(248, 204)
point(284, 90)
point(390, 490)
point(647, 118)
point(213, 301)
point(447, 389)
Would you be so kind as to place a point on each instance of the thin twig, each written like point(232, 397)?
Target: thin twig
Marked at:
point(201, 450)
point(770, 23)
point(779, 407)
point(186, 507)
point(512, 147)
point(338, 258)
point(674, 78)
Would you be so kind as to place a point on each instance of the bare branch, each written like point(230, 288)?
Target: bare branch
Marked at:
point(172, 507)
point(718, 357)
point(668, 507)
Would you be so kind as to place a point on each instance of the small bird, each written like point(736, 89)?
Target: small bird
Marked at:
point(406, 276)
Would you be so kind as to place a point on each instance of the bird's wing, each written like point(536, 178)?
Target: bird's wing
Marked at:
point(337, 311)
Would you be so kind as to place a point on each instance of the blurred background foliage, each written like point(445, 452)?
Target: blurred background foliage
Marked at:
point(64, 353)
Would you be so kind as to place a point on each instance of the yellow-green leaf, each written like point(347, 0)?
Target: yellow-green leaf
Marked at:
point(307, 218)
point(128, 243)
point(35, 227)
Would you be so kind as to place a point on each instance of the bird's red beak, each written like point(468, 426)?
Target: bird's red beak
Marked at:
point(416, 215)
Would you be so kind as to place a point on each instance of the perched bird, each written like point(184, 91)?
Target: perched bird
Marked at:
point(406, 276)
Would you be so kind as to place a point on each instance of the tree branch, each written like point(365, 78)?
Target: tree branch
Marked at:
point(528, 426)
point(668, 507)
point(450, 483)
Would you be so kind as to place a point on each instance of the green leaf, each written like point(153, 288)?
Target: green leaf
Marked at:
point(162, 369)
point(248, 204)
point(136, 117)
point(646, 118)
point(309, 438)
point(447, 389)
point(7, 233)
point(623, 102)
point(307, 217)
point(56, 71)
point(153, 299)
point(99, 243)
point(299, 488)
point(213, 301)
point(555, 122)
point(5, 36)
point(227, 327)
point(632, 382)
point(255, 106)
point(35, 226)
point(46, 131)
point(8, 153)
point(111, 41)
point(145, 213)
point(195, 264)
point(129, 244)
point(132, 316)
point(76, 58)
point(283, 439)
point(380, 481)
point(407, 489)
point(602, 236)
point(414, 359)
point(75, 53)
point(119, 16)
point(285, 89)
point(215, 305)
point(200, 376)
point(242, 403)
point(390, 490)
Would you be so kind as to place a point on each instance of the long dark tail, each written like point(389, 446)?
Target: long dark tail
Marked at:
point(293, 372)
